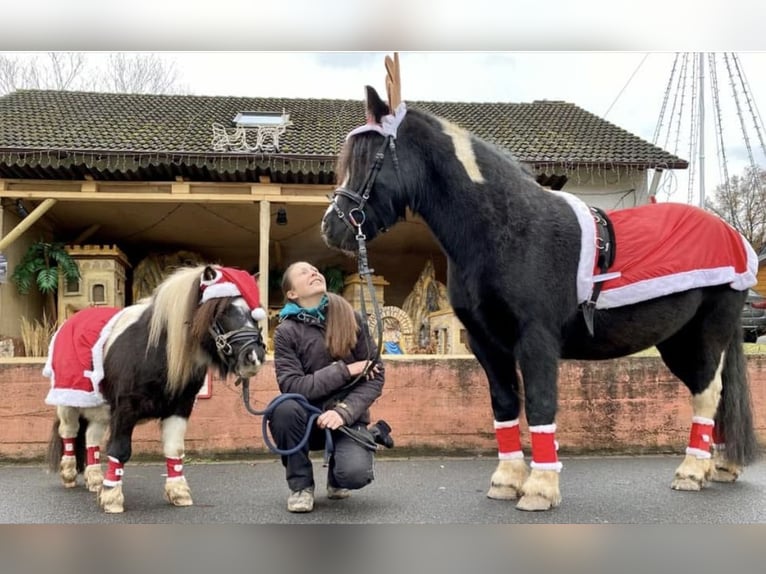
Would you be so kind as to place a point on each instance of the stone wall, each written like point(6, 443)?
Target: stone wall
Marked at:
point(435, 406)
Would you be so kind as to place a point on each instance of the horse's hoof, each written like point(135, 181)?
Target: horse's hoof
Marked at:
point(721, 474)
point(68, 471)
point(532, 502)
point(502, 492)
point(506, 481)
point(111, 499)
point(178, 493)
point(687, 484)
point(94, 476)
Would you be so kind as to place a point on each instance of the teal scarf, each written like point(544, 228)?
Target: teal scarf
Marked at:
point(292, 308)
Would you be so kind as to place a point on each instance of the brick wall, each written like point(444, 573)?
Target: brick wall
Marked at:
point(435, 405)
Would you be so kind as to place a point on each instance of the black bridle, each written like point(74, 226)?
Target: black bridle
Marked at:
point(248, 337)
point(354, 220)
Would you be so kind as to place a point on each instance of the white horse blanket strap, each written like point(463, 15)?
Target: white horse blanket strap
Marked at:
point(663, 248)
point(70, 362)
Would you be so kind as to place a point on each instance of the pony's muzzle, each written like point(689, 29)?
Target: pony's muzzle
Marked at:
point(251, 362)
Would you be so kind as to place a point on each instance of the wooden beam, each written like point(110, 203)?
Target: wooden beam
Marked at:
point(26, 223)
point(89, 187)
point(153, 197)
point(180, 188)
point(263, 263)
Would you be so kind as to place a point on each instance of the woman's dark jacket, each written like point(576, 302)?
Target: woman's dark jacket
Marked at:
point(303, 365)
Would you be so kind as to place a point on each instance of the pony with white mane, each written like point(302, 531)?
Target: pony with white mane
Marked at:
point(534, 277)
point(116, 368)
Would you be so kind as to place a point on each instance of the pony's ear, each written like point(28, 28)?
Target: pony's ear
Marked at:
point(376, 108)
point(209, 273)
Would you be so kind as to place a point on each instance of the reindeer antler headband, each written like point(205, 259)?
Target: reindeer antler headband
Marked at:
point(397, 108)
point(393, 82)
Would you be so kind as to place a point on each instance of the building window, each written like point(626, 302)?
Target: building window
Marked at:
point(72, 287)
point(257, 119)
point(98, 294)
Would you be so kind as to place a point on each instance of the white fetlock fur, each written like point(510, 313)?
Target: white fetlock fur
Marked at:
point(540, 491)
point(723, 469)
point(692, 474)
point(68, 471)
point(94, 476)
point(177, 492)
point(111, 499)
point(507, 480)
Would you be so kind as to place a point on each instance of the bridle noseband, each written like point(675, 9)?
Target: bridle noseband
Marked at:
point(249, 337)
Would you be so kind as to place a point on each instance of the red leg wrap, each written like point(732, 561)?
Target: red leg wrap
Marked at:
point(544, 447)
point(508, 440)
point(93, 455)
point(175, 468)
point(700, 438)
point(68, 446)
point(114, 471)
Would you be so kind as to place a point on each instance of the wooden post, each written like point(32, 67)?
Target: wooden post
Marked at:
point(263, 264)
point(26, 223)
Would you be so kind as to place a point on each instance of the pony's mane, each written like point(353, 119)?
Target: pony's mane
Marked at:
point(174, 302)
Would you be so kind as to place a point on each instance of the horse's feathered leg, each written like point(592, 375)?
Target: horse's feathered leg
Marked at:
point(98, 420)
point(707, 356)
point(68, 430)
point(119, 450)
point(177, 490)
point(538, 352)
point(500, 366)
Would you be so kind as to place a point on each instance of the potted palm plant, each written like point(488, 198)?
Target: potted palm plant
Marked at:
point(41, 266)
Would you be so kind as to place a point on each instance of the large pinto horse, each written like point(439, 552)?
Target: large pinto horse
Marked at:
point(530, 278)
point(117, 368)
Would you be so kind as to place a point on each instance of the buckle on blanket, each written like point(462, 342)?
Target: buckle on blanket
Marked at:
point(606, 250)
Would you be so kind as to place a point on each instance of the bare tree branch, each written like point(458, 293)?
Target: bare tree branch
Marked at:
point(743, 204)
point(141, 74)
point(126, 73)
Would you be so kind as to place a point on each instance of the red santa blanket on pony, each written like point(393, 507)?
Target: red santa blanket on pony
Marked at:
point(75, 362)
point(662, 248)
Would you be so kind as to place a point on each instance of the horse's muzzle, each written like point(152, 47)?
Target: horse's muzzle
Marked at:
point(251, 361)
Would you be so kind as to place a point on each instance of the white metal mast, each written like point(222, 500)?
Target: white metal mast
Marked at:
point(701, 135)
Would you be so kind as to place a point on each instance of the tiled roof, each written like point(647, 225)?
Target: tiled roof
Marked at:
point(46, 133)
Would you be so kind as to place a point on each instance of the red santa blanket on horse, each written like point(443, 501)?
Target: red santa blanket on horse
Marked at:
point(75, 362)
point(662, 248)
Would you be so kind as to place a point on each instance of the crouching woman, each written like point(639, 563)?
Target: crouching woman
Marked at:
point(321, 346)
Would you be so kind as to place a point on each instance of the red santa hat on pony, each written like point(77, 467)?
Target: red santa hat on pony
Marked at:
point(231, 282)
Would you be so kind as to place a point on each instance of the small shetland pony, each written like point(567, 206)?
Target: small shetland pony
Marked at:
point(521, 275)
point(117, 368)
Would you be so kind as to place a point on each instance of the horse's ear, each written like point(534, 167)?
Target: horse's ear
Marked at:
point(209, 273)
point(376, 108)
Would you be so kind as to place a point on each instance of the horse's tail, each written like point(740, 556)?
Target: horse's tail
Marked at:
point(734, 417)
point(56, 447)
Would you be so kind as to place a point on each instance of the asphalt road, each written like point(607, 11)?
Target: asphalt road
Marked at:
point(599, 490)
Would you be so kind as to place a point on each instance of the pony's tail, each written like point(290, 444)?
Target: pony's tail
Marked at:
point(56, 447)
point(734, 416)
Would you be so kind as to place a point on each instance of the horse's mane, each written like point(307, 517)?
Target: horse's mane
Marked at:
point(174, 302)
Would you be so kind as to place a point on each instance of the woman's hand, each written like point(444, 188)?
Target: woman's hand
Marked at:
point(358, 367)
point(330, 420)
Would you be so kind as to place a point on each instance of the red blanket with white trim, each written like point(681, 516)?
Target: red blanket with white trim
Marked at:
point(75, 357)
point(666, 248)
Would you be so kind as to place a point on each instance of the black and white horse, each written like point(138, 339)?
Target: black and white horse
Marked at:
point(115, 368)
point(522, 265)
